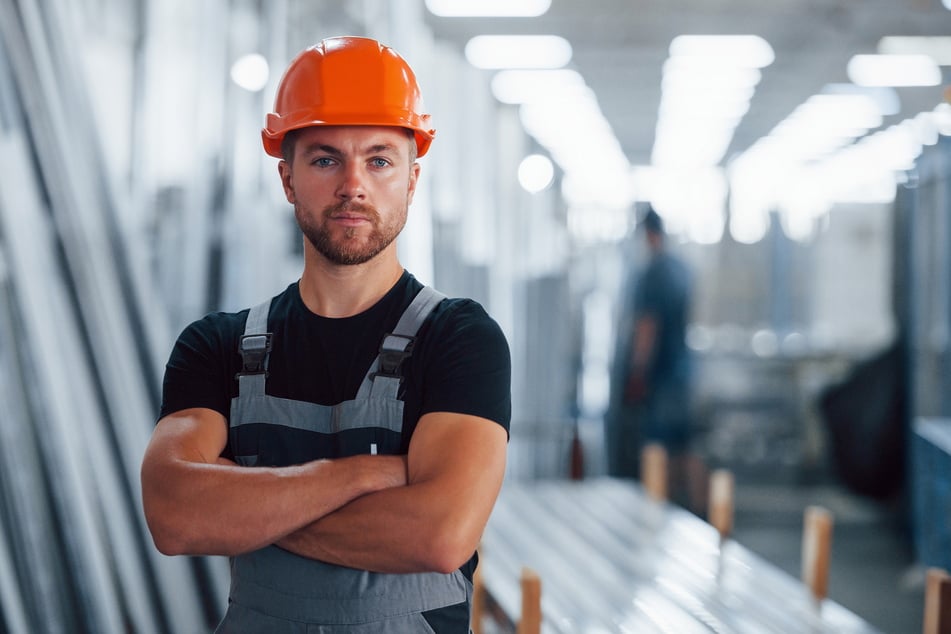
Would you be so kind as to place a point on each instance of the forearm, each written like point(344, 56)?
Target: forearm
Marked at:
point(393, 531)
point(434, 524)
point(197, 507)
point(645, 331)
point(197, 503)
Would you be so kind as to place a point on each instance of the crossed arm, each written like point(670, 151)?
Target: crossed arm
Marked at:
point(455, 468)
point(423, 512)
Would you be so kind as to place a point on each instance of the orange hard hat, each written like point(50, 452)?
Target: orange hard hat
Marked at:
point(347, 81)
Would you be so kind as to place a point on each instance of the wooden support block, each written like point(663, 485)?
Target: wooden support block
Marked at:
point(478, 602)
point(576, 455)
point(816, 550)
point(654, 471)
point(937, 602)
point(721, 503)
point(531, 621)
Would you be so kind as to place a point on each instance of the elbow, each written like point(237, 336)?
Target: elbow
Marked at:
point(172, 541)
point(449, 550)
point(168, 546)
point(179, 536)
point(165, 537)
point(166, 542)
point(172, 533)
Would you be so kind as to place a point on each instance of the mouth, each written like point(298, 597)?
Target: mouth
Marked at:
point(349, 214)
point(349, 219)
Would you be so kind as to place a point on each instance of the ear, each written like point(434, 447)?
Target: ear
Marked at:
point(287, 181)
point(413, 179)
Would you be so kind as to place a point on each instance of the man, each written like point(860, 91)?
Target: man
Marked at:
point(659, 373)
point(345, 442)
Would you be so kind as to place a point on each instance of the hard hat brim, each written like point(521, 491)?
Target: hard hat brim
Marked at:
point(273, 139)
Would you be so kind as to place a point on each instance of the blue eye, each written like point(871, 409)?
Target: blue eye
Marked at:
point(380, 162)
point(323, 161)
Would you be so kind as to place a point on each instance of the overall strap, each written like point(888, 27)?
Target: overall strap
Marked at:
point(255, 349)
point(384, 376)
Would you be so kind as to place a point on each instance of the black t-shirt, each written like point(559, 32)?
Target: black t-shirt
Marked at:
point(663, 292)
point(460, 361)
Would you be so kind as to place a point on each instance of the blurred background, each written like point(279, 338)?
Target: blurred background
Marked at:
point(798, 151)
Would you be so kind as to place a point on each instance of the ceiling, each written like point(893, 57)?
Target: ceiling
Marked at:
point(620, 46)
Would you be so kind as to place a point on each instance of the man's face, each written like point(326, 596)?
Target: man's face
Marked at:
point(351, 187)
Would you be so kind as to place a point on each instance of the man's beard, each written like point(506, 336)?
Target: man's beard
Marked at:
point(349, 249)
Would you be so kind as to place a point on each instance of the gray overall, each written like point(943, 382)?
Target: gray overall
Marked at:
point(276, 592)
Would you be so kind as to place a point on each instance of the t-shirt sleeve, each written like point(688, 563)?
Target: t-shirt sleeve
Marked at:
point(199, 366)
point(471, 368)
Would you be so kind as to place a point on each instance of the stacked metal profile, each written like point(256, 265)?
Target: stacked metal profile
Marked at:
point(77, 371)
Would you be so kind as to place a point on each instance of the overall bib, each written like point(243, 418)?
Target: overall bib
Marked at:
point(276, 592)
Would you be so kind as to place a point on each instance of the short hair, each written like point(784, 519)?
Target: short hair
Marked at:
point(289, 144)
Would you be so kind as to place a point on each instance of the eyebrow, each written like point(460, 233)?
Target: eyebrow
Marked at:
point(334, 151)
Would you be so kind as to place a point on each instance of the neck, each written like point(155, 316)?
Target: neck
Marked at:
point(332, 290)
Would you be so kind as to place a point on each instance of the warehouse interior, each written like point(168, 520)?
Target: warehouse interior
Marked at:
point(135, 198)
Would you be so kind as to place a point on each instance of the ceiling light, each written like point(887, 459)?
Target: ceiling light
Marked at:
point(723, 70)
point(938, 48)
point(840, 112)
point(523, 86)
point(709, 74)
point(941, 115)
point(518, 51)
point(750, 51)
point(885, 97)
point(250, 72)
point(894, 70)
point(535, 173)
point(488, 8)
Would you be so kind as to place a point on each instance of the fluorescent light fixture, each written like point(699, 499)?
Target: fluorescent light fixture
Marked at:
point(523, 86)
point(709, 74)
point(561, 113)
point(679, 146)
point(535, 173)
point(894, 70)
point(941, 115)
point(840, 112)
point(488, 8)
point(724, 69)
point(937, 48)
point(518, 51)
point(885, 97)
point(924, 128)
point(250, 72)
point(750, 51)
point(748, 226)
point(821, 125)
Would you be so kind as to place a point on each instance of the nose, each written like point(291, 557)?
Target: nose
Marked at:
point(352, 185)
